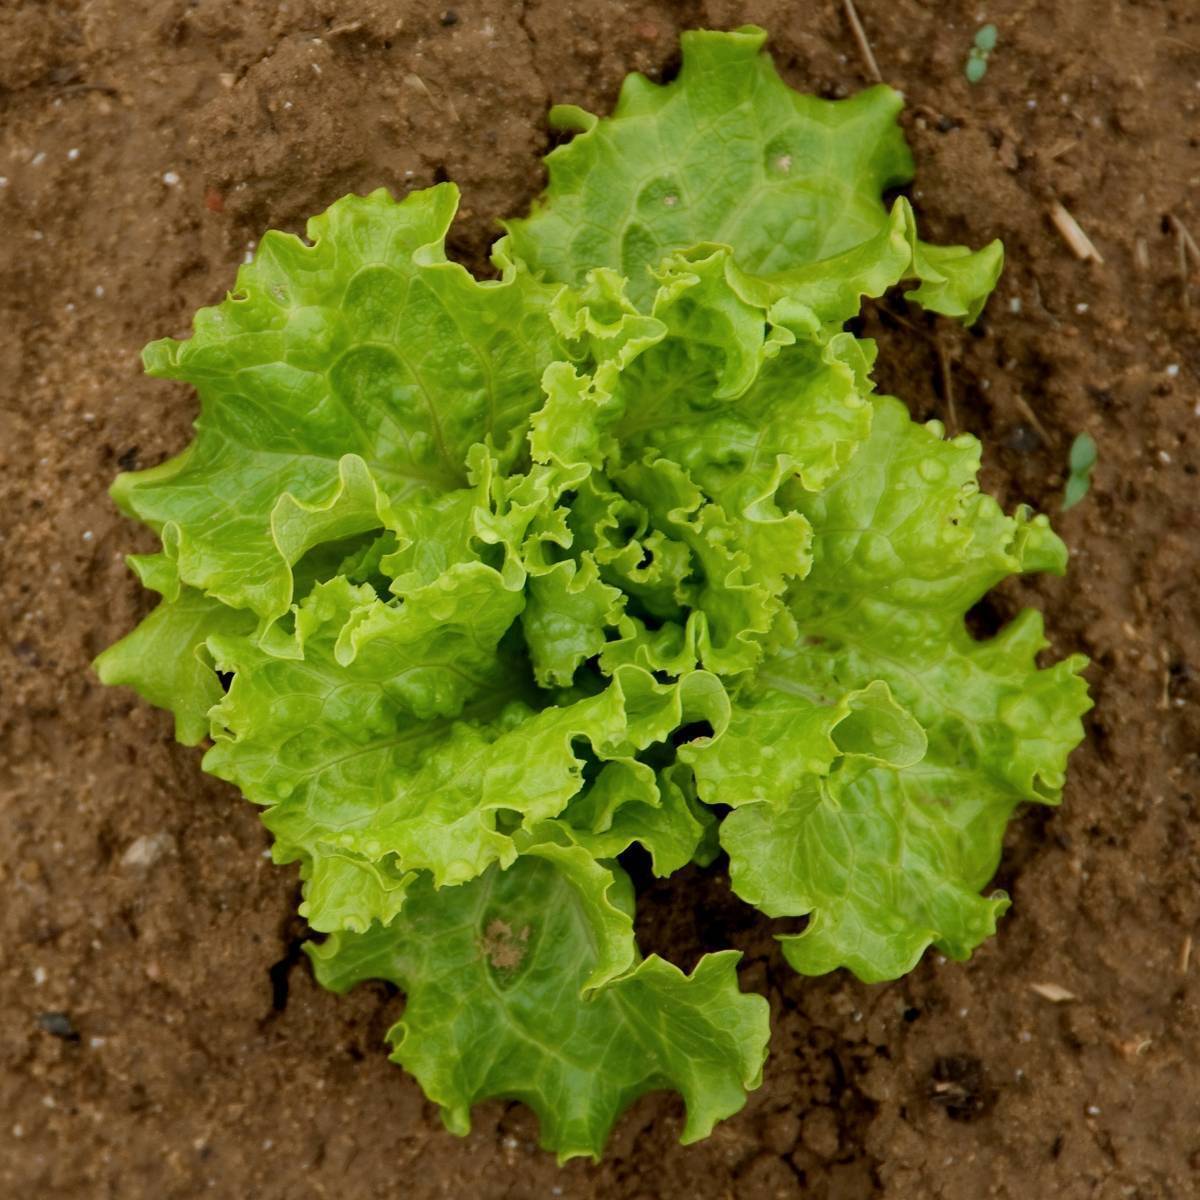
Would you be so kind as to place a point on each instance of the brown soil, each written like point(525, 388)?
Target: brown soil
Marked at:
point(193, 1055)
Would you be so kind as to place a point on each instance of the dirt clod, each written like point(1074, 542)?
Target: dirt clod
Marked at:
point(820, 1132)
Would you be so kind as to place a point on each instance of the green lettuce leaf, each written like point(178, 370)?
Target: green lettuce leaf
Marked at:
point(728, 153)
point(630, 802)
point(494, 973)
point(885, 820)
point(165, 659)
point(342, 375)
point(904, 544)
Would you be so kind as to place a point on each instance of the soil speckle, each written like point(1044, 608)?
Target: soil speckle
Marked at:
point(59, 1025)
point(959, 1087)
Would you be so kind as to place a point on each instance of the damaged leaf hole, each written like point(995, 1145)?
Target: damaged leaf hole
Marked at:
point(504, 947)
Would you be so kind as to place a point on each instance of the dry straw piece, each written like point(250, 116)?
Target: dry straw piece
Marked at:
point(1053, 992)
point(1073, 234)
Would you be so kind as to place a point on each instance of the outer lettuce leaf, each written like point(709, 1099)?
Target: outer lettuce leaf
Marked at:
point(904, 544)
point(887, 836)
point(339, 376)
point(838, 815)
point(728, 153)
point(165, 659)
point(494, 972)
point(873, 856)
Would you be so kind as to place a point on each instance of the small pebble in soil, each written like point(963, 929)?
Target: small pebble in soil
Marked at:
point(170, 178)
point(59, 1025)
point(449, 17)
point(72, 154)
point(39, 976)
point(145, 851)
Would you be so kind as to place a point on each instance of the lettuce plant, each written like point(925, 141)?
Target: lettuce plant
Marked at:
point(473, 584)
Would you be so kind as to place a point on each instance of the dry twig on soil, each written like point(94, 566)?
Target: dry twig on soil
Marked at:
point(1187, 249)
point(860, 36)
point(1185, 237)
point(947, 387)
point(1032, 418)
